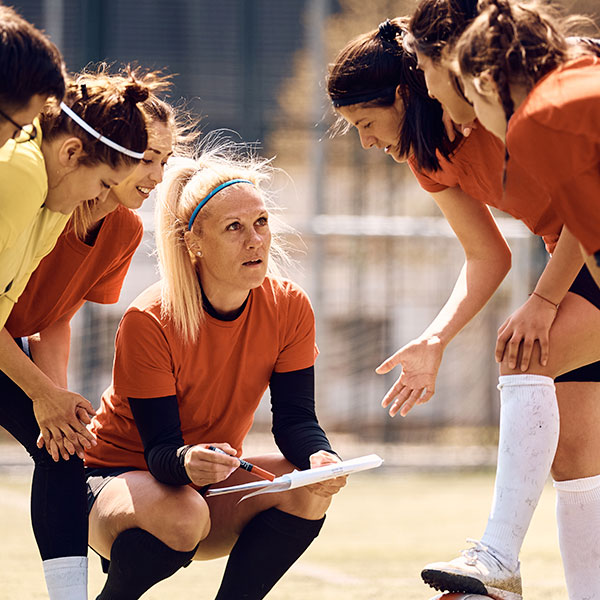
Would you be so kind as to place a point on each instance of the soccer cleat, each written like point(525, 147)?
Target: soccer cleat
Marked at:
point(476, 571)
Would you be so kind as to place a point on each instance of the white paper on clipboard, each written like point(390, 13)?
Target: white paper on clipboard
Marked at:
point(301, 478)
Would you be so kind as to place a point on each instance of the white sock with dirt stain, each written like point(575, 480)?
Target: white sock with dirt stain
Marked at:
point(529, 428)
point(66, 577)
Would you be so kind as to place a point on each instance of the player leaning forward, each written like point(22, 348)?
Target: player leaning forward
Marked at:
point(194, 354)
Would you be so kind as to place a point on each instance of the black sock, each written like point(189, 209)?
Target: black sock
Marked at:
point(138, 560)
point(267, 547)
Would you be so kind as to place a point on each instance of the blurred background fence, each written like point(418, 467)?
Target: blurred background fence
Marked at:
point(377, 258)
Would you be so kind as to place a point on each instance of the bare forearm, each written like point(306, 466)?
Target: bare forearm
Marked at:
point(50, 351)
point(16, 365)
point(561, 269)
point(476, 284)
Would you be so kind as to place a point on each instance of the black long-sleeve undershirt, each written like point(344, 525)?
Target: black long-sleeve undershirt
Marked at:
point(295, 427)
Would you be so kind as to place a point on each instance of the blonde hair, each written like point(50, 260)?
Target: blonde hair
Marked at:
point(186, 182)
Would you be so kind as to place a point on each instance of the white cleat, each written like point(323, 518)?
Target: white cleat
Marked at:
point(477, 571)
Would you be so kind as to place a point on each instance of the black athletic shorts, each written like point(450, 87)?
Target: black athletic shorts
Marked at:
point(98, 477)
point(584, 286)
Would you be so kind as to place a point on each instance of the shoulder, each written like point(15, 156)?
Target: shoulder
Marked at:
point(125, 223)
point(281, 290)
point(23, 184)
point(566, 99)
point(147, 305)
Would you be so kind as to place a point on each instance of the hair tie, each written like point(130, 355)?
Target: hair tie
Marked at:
point(388, 31)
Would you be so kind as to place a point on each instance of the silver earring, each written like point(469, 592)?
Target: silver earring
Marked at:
point(199, 253)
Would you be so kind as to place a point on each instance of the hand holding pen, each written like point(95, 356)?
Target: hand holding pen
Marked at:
point(206, 464)
point(262, 473)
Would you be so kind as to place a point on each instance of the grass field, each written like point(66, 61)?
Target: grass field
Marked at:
point(379, 532)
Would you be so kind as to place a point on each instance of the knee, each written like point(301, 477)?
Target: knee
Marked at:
point(185, 521)
point(306, 504)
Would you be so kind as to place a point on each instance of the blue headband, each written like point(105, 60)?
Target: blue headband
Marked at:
point(209, 196)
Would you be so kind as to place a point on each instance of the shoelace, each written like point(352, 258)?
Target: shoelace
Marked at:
point(470, 554)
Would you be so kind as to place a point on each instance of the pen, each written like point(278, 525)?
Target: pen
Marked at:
point(247, 466)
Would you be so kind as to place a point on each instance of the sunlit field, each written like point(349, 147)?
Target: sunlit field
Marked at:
point(382, 528)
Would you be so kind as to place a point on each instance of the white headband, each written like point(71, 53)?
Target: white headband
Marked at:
point(98, 136)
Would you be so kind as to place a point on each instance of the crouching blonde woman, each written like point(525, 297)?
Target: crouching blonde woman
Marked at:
point(194, 355)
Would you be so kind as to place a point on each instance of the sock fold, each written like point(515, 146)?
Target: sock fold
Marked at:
point(578, 518)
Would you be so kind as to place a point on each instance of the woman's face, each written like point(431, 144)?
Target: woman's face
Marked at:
point(443, 85)
point(377, 126)
point(483, 94)
point(234, 240)
point(23, 117)
point(82, 182)
point(133, 190)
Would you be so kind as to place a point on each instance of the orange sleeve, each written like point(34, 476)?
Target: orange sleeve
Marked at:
point(143, 367)
point(567, 165)
point(298, 348)
point(426, 181)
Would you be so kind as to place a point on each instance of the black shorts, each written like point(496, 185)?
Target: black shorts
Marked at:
point(584, 286)
point(98, 477)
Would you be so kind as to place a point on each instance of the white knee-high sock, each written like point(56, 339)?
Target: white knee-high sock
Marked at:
point(529, 427)
point(66, 577)
point(578, 517)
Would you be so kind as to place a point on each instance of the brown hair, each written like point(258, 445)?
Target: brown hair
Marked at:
point(156, 110)
point(517, 43)
point(30, 63)
point(109, 104)
point(437, 24)
point(369, 70)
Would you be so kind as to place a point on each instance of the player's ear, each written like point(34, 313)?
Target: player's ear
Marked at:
point(485, 85)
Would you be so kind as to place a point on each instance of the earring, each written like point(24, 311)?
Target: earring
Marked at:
point(199, 253)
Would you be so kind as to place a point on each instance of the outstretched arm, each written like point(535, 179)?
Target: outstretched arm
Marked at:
point(487, 261)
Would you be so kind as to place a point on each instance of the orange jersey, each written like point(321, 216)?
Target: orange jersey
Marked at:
point(476, 168)
point(74, 271)
point(219, 379)
point(555, 136)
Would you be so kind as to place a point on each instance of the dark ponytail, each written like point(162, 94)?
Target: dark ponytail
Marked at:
point(370, 69)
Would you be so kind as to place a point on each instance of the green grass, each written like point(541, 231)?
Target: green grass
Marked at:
point(382, 528)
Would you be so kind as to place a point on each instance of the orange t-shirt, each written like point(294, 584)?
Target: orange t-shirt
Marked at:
point(555, 135)
point(219, 379)
point(74, 271)
point(476, 168)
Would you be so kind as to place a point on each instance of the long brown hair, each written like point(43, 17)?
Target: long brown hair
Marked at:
point(368, 71)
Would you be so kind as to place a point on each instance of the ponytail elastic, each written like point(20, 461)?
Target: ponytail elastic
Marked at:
point(75, 117)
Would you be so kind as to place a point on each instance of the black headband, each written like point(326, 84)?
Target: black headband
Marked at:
point(362, 96)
